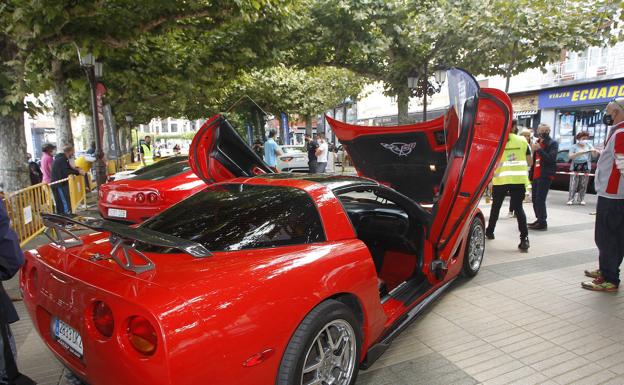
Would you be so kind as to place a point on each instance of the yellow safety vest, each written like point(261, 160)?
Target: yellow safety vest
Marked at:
point(513, 167)
point(148, 155)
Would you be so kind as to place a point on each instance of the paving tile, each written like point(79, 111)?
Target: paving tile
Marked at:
point(578, 373)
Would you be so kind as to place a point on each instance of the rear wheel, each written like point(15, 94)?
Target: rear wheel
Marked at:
point(475, 248)
point(325, 348)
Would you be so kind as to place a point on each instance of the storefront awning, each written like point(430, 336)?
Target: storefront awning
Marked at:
point(525, 112)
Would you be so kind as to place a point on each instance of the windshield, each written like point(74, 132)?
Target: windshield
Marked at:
point(164, 172)
point(159, 164)
point(240, 216)
point(290, 150)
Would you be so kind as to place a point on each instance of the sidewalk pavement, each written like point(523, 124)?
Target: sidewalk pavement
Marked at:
point(523, 320)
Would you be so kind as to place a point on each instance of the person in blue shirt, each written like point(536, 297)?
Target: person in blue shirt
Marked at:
point(271, 150)
point(580, 167)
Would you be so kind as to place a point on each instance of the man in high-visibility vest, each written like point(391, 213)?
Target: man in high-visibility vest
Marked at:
point(511, 177)
point(147, 151)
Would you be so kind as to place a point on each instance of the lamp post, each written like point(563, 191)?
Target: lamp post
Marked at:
point(93, 69)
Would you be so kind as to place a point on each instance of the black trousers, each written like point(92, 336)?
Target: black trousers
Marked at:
point(541, 187)
point(312, 166)
point(516, 192)
point(609, 237)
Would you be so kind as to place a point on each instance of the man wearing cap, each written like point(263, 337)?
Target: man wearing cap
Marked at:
point(609, 183)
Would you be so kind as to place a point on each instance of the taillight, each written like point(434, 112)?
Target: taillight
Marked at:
point(140, 197)
point(152, 197)
point(103, 319)
point(142, 335)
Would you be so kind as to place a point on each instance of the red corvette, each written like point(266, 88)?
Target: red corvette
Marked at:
point(148, 191)
point(265, 278)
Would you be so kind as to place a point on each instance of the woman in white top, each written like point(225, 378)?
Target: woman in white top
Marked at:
point(321, 154)
point(580, 167)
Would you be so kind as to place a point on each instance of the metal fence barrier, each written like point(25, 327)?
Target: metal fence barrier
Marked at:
point(26, 206)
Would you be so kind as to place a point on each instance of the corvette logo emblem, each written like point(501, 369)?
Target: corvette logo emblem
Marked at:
point(401, 149)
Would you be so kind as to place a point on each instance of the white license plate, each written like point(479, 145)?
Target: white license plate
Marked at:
point(117, 213)
point(67, 336)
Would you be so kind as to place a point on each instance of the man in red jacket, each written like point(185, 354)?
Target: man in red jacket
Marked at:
point(543, 173)
point(609, 183)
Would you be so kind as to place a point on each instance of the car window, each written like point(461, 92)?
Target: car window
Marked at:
point(290, 150)
point(164, 172)
point(562, 157)
point(240, 216)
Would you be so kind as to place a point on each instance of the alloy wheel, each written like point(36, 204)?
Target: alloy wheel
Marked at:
point(476, 247)
point(330, 360)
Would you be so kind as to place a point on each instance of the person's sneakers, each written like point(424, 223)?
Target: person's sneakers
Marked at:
point(538, 226)
point(524, 244)
point(570, 203)
point(593, 273)
point(489, 235)
point(583, 203)
point(599, 284)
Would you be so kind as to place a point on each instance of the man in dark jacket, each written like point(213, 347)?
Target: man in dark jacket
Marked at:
point(61, 169)
point(543, 172)
point(11, 259)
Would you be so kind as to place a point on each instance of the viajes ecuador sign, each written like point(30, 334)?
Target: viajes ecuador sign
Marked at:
point(581, 95)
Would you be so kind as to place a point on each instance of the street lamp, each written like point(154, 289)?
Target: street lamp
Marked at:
point(412, 80)
point(440, 76)
point(93, 69)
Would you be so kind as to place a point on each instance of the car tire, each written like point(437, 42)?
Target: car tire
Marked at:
point(305, 345)
point(475, 248)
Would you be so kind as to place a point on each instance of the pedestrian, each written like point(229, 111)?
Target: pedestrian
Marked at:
point(311, 146)
point(34, 171)
point(609, 183)
point(580, 166)
point(146, 151)
point(543, 173)
point(61, 169)
point(511, 177)
point(91, 150)
point(272, 150)
point(47, 158)
point(11, 259)
point(514, 130)
point(321, 154)
point(528, 135)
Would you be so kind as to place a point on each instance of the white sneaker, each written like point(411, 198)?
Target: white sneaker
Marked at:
point(583, 203)
point(570, 203)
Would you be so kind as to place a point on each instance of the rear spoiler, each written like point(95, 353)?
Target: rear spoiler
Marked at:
point(122, 238)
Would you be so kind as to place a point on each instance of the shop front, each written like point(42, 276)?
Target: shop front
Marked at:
point(525, 110)
point(570, 110)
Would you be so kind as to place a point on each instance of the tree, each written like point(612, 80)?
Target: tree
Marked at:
point(34, 31)
point(512, 37)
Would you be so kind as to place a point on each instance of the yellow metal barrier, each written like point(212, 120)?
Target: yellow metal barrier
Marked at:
point(77, 191)
point(24, 208)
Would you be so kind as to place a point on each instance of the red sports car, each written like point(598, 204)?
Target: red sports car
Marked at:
point(264, 278)
point(148, 191)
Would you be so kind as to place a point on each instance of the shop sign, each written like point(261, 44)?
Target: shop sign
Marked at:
point(582, 95)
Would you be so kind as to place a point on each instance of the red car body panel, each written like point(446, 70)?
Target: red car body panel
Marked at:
point(122, 194)
point(215, 316)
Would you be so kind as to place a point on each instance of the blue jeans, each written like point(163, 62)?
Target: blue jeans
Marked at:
point(541, 186)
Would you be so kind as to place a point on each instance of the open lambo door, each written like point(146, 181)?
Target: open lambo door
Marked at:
point(446, 162)
point(218, 153)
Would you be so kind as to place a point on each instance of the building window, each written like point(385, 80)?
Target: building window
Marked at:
point(173, 127)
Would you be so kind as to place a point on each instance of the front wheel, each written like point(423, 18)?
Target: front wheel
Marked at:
point(475, 249)
point(325, 348)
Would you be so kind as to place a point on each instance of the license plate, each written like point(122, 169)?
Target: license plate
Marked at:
point(67, 337)
point(117, 213)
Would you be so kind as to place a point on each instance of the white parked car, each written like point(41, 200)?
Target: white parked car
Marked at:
point(293, 159)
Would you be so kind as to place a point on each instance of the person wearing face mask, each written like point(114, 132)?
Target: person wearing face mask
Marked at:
point(543, 172)
point(609, 183)
point(580, 167)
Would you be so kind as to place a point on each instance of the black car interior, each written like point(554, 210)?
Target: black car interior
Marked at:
point(393, 229)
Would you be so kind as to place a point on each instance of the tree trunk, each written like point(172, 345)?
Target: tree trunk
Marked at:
point(426, 83)
point(308, 124)
point(13, 167)
point(403, 106)
point(62, 117)
point(507, 80)
point(128, 140)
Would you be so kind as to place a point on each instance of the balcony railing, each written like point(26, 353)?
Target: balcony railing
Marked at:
point(582, 69)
